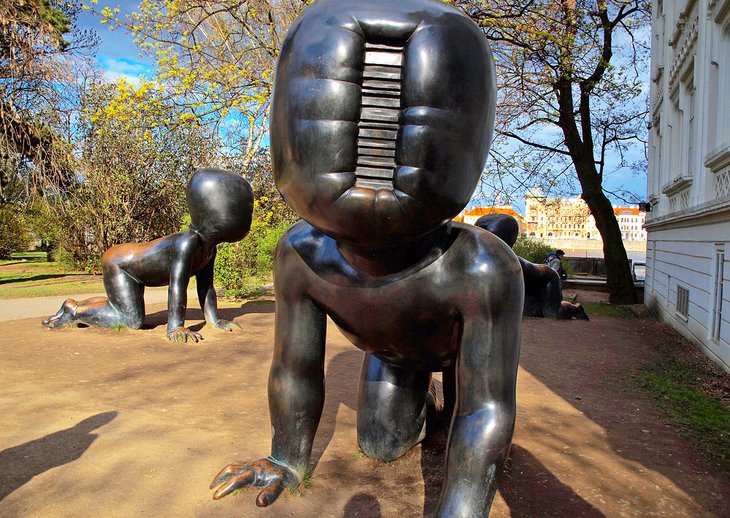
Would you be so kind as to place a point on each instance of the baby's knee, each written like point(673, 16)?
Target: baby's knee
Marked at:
point(70, 306)
point(134, 322)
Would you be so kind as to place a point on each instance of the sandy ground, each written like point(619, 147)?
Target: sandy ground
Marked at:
point(125, 423)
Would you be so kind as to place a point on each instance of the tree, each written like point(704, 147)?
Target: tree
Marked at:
point(215, 58)
point(135, 159)
point(573, 66)
point(33, 72)
point(13, 232)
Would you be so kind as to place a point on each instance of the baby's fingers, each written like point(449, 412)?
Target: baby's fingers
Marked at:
point(228, 472)
point(269, 494)
point(235, 482)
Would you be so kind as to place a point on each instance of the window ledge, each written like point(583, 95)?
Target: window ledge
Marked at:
point(678, 184)
point(718, 159)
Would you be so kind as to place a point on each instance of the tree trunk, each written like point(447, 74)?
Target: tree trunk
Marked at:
point(619, 280)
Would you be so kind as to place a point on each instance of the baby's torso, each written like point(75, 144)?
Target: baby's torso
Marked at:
point(151, 263)
point(403, 322)
point(412, 318)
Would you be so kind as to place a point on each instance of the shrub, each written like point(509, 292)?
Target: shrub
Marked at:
point(241, 269)
point(13, 231)
point(534, 250)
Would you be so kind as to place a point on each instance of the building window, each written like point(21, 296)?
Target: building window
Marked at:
point(718, 285)
point(682, 302)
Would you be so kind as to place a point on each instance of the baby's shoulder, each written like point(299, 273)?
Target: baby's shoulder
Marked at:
point(303, 240)
point(481, 247)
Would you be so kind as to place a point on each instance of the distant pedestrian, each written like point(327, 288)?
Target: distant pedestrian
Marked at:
point(554, 261)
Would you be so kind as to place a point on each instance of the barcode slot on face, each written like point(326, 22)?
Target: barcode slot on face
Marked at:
point(378, 125)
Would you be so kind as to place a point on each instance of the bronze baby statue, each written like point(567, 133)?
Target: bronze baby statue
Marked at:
point(543, 293)
point(381, 122)
point(220, 204)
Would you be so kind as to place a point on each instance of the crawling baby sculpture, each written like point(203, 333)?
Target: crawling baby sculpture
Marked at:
point(543, 293)
point(220, 205)
point(381, 122)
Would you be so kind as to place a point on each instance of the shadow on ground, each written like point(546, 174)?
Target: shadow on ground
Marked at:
point(159, 318)
point(523, 476)
point(590, 365)
point(38, 456)
point(362, 505)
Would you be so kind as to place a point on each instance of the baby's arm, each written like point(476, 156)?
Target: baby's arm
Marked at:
point(208, 299)
point(177, 296)
point(483, 423)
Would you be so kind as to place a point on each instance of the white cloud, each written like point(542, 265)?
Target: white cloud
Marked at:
point(123, 68)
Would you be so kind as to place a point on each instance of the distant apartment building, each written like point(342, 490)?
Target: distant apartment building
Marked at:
point(688, 181)
point(570, 218)
point(631, 222)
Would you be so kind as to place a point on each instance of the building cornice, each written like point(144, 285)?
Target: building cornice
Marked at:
point(716, 209)
point(656, 108)
point(684, 48)
point(720, 12)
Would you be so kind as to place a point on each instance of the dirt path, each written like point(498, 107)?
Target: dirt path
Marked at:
point(105, 423)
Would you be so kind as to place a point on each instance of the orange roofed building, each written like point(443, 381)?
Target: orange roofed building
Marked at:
point(570, 218)
point(472, 215)
point(631, 222)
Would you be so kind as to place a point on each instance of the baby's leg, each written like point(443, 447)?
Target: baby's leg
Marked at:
point(125, 304)
point(391, 409)
point(123, 307)
point(67, 313)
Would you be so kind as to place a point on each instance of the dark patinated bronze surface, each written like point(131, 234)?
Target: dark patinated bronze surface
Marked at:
point(568, 311)
point(504, 226)
point(381, 122)
point(220, 204)
point(543, 292)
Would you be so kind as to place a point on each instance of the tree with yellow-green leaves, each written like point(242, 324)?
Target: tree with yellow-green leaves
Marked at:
point(214, 62)
point(215, 59)
point(135, 159)
point(570, 94)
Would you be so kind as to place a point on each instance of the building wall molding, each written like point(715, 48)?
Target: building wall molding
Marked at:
point(714, 210)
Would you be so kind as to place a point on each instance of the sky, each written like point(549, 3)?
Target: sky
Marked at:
point(117, 53)
point(119, 57)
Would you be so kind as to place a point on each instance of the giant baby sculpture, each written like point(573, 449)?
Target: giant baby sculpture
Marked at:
point(220, 205)
point(382, 118)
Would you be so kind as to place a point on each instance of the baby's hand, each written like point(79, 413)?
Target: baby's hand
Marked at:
point(272, 478)
point(181, 334)
point(226, 325)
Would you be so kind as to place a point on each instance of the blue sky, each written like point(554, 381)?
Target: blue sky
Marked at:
point(119, 57)
point(117, 54)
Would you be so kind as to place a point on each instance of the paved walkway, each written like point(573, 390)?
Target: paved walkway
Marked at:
point(15, 309)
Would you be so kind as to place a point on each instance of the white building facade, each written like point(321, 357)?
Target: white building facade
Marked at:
point(688, 184)
point(570, 218)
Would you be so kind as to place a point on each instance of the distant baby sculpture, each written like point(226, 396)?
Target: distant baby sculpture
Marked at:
point(381, 123)
point(543, 294)
point(504, 226)
point(220, 205)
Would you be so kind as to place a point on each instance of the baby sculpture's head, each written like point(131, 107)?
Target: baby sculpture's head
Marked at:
point(220, 205)
point(382, 117)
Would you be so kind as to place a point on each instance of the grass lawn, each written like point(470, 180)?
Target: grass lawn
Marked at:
point(701, 418)
point(29, 275)
point(607, 310)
